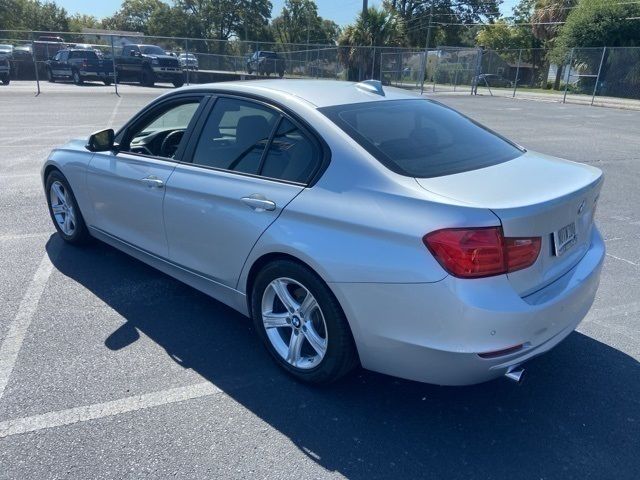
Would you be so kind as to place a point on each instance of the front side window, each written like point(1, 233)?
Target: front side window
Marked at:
point(161, 133)
point(420, 138)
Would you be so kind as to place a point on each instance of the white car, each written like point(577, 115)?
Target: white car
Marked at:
point(354, 224)
point(188, 61)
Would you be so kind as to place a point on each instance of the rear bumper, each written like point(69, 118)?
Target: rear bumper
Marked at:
point(94, 74)
point(434, 332)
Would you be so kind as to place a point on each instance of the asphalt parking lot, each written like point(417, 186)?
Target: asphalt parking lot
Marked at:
point(109, 369)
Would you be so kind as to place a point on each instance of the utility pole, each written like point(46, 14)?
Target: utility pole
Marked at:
point(426, 47)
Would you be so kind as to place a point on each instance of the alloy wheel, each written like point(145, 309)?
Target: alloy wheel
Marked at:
point(294, 323)
point(62, 208)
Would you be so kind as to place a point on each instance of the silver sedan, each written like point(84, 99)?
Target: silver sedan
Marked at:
point(355, 224)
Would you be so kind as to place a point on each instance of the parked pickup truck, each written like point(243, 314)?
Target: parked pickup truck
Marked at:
point(148, 64)
point(80, 65)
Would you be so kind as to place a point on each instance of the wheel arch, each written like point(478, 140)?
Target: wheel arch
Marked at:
point(267, 258)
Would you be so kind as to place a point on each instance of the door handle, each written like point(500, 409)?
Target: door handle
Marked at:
point(259, 203)
point(153, 182)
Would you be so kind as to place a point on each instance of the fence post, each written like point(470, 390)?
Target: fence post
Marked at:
point(186, 59)
point(425, 70)
point(374, 62)
point(515, 83)
point(317, 62)
point(566, 84)
point(35, 64)
point(595, 88)
point(113, 65)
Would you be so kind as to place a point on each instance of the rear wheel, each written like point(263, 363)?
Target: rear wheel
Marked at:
point(64, 210)
point(107, 82)
point(301, 323)
point(178, 83)
point(6, 80)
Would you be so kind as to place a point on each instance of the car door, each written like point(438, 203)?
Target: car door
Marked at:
point(235, 186)
point(126, 187)
point(60, 61)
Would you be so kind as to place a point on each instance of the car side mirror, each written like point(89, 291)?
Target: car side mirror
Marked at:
point(102, 141)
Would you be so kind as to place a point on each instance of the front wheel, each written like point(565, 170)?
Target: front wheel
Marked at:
point(50, 76)
point(107, 82)
point(77, 79)
point(178, 83)
point(64, 210)
point(6, 80)
point(147, 78)
point(301, 323)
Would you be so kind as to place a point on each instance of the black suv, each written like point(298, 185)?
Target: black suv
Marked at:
point(265, 63)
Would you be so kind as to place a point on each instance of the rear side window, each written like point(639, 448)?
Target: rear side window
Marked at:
point(291, 155)
point(420, 138)
point(248, 137)
point(235, 135)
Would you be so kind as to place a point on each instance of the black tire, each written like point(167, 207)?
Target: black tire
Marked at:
point(148, 79)
point(6, 80)
point(77, 79)
point(249, 71)
point(341, 356)
point(178, 83)
point(107, 82)
point(50, 76)
point(281, 74)
point(80, 235)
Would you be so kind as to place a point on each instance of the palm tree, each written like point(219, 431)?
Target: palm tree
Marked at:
point(375, 28)
point(547, 19)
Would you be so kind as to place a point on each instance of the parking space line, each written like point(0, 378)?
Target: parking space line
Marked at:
point(113, 114)
point(622, 260)
point(12, 344)
point(21, 236)
point(106, 409)
point(613, 311)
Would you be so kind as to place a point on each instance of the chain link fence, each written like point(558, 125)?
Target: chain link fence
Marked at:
point(34, 56)
point(606, 75)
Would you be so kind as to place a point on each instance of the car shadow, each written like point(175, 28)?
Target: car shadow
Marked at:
point(576, 415)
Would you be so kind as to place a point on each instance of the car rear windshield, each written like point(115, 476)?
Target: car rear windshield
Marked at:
point(151, 50)
point(88, 54)
point(268, 54)
point(421, 138)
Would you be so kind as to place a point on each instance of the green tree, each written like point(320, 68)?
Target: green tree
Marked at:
point(79, 21)
point(599, 23)
point(223, 19)
point(502, 35)
point(547, 22)
point(299, 22)
point(376, 28)
point(449, 20)
point(134, 15)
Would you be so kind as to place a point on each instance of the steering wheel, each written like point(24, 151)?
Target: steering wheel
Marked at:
point(170, 143)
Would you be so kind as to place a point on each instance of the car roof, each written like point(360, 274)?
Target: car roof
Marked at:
point(319, 93)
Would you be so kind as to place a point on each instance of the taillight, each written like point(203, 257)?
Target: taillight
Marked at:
point(481, 252)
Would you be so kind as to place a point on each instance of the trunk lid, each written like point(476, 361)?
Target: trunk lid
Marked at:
point(532, 195)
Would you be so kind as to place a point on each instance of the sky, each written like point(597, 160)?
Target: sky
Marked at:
point(342, 12)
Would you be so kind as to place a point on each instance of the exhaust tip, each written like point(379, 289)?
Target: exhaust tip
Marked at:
point(515, 374)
